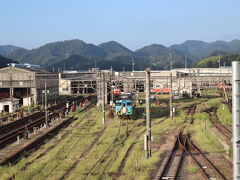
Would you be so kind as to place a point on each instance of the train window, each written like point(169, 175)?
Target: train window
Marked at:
point(129, 103)
point(118, 104)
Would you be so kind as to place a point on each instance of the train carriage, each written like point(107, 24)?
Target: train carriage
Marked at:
point(124, 108)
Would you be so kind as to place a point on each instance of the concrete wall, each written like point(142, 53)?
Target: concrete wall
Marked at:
point(64, 87)
point(20, 78)
point(27, 101)
point(12, 106)
point(33, 79)
point(52, 82)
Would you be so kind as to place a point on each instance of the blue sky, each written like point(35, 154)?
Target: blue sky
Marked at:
point(133, 23)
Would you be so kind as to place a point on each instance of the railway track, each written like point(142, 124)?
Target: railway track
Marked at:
point(11, 132)
point(192, 109)
point(223, 129)
point(173, 162)
point(25, 120)
point(13, 158)
point(191, 112)
point(207, 168)
point(82, 156)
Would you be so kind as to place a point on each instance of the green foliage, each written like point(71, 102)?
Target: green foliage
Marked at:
point(224, 115)
point(158, 56)
point(201, 133)
point(155, 56)
point(200, 49)
point(81, 63)
point(53, 52)
point(208, 62)
point(115, 49)
point(212, 62)
point(4, 61)
point(192, 169)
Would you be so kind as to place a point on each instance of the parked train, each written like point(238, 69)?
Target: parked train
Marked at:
point(124, 108)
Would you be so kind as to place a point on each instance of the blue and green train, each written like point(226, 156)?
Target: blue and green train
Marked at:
point(124, 108)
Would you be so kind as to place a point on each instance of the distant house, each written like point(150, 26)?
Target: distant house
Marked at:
point(9, 105)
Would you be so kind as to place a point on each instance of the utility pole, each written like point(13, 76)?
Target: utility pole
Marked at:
point(171, 99)
point(103, 98)
point(236, 119)
point(11, 93)
point(148, 116)
point(111, 81)
point(219, 60)
point(46, 113)
point(185, 61)
point(133, 64)
point(29, 93)
point(170, 61)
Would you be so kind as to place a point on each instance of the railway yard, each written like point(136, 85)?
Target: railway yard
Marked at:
point(195, 144)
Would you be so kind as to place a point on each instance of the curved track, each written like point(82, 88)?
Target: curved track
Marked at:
point(221, 128)
point(208, 169)
point(173, 162)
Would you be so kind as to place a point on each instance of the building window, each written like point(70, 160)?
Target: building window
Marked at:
point(20, 83)
point(1, 84)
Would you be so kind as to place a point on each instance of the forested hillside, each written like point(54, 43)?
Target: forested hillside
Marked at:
point(84, 55)
point(213, 61)
point(5, 61)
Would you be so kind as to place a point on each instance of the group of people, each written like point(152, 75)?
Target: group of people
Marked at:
point(81, 104)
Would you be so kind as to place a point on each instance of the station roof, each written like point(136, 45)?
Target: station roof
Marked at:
point(9, 100)
point(38, 71)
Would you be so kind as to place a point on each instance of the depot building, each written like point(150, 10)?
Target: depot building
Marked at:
point(26, 85)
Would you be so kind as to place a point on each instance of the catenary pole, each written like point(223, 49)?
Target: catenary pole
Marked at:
point(148, 115)
point(171, 99)
point(236, 119)
point(103, 98)
point(46, 113)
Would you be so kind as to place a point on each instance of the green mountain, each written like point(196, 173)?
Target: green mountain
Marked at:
point(7, 49)
point(5, 61)
point(218, 52)
point(115, 49)
point(159, 56)
point(81, 63)
point(72, 63)
point(199, 49)
point(16, 54)
point(53, 52)
point(213, 61)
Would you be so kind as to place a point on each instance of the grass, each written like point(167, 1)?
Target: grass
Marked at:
point(192, 169)
point(202, 134)
point(224, 115)
point(108, 153)
point(117, 152)
point(69, 147)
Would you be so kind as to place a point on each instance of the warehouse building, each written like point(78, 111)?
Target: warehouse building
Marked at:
point(77, 82)
point(27, 84)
